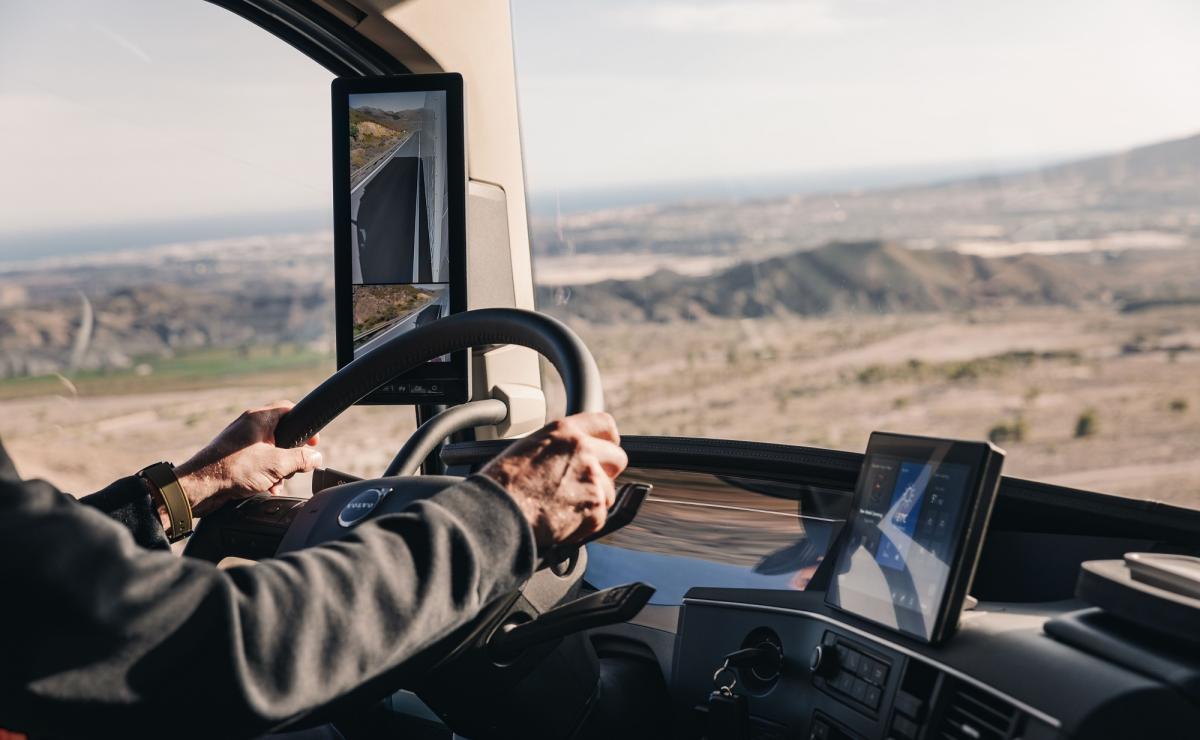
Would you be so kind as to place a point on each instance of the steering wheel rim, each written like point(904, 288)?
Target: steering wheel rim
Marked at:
point(548, 336)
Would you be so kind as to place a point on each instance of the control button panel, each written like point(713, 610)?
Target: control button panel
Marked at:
point(906, 720)
point(416, 391)
point(849, 672)
point(824, 728)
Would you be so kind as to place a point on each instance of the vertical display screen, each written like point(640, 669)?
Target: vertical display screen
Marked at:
point(401, 233)
point(401, 266)
point(896, 558)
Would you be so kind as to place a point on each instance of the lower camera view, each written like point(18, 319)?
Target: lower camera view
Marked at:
point(382, 312)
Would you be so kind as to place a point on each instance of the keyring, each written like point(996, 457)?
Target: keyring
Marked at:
point(728, 688)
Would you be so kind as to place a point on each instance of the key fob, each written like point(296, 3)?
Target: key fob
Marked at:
point(728, 717)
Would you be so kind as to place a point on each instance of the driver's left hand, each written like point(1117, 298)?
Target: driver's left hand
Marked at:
point(243, 460)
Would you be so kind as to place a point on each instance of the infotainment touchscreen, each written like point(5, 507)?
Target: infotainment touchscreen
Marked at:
point(907, 554)
point(400, 223)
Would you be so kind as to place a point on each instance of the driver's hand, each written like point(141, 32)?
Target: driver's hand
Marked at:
point(562, 476)
point(243, 460)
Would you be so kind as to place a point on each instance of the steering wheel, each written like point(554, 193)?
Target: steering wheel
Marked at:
point(459, 677)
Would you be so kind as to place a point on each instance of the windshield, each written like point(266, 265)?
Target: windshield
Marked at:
point(776, 220)
point(802, 221)
point(165, 255)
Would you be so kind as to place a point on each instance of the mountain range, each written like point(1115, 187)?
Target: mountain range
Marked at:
point(872, 276)
point(1130, 222)
point(1142, 194)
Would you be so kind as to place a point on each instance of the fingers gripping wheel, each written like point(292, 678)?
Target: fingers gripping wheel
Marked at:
point(625, 507)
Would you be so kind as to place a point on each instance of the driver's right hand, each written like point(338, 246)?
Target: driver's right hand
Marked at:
point(562, 476)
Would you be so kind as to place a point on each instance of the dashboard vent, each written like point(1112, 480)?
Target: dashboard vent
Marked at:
point(972, 714)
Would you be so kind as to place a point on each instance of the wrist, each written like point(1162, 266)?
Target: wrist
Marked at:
point(502, 476)
point(197, 486)
point(160, 506)
point(165, 488)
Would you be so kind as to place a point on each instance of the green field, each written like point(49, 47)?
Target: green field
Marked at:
point(187, 370)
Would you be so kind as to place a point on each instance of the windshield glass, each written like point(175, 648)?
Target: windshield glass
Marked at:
point(165, 253)
point(802, 221)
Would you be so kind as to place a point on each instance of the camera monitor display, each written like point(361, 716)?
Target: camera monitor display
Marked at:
point(907, 554)
point(400, 222)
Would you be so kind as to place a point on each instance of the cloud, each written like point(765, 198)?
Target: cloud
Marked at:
point(752, 17)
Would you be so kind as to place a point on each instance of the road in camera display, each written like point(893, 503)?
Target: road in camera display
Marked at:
point(436, 309)
point(390, 215)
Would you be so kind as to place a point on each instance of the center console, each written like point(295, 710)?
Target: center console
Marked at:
point(886, 644)
point(1001, 676)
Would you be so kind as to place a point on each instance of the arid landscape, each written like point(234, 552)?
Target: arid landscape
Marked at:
point(1056, 312)
point(1027, 377)
point(373, 133)
point(375, 305)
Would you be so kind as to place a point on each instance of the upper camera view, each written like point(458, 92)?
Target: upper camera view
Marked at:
point(398, 187)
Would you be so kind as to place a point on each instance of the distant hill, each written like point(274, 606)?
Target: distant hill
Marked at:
point(1154, 176)
point(839, 278)
point(1167, 165)
point(373, 133)
point(379, 304)
point(166, 301)
point(399, 120)
point(1144, 193)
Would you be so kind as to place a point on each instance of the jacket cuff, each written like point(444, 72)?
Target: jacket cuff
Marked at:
point(495, 521)
point(128, 502)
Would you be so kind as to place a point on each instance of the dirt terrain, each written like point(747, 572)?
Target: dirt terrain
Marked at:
point(373, 133)
point(1033, 373)
point(1055, 311)
point(81, 444)
point(379, 304)
point(1025, 376)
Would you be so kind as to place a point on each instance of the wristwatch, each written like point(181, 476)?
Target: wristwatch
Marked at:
point(161, 477)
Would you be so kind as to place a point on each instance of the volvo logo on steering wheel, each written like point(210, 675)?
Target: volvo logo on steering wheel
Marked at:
point(360, 506)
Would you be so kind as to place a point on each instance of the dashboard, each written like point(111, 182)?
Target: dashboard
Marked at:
point(1028, 660)
point(745, 544)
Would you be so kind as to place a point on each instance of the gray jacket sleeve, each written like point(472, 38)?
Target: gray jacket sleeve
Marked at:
point(99, 635)
point(128, 502)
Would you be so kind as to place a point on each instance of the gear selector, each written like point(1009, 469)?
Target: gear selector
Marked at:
point(610, 606)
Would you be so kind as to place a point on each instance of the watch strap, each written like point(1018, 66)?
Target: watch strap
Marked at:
point(161, 476)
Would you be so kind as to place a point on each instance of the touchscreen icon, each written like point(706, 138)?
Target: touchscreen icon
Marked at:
point(902, 514)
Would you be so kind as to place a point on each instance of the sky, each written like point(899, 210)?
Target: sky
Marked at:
point(126, 111)
point(628, 91)
point(117, 112)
